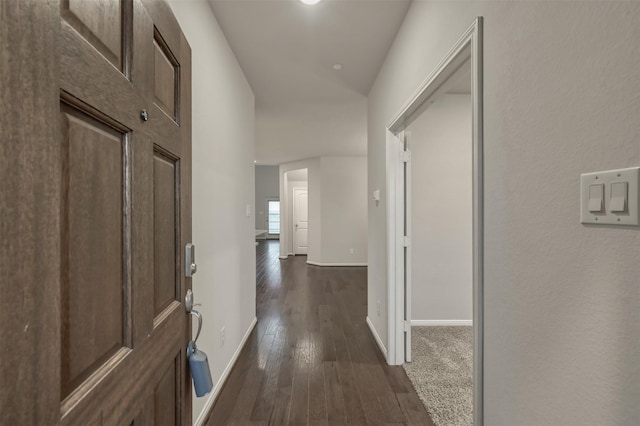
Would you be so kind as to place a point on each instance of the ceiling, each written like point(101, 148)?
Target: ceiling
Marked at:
point(287, 50)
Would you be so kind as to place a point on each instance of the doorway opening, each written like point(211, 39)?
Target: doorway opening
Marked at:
point(295, 217)
point(436, 232)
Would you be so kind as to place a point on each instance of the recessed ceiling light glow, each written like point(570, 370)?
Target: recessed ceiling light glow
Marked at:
point(310, 1)
point(337, 66)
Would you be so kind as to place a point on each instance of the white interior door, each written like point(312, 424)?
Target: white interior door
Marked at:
point(300, 221)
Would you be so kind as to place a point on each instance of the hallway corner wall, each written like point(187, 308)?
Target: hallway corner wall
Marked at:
point(223, 185)
point(561, 83)
point(344, 210)
point(337, 210)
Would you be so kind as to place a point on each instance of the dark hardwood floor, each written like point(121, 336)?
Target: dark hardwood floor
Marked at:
point(311, 359)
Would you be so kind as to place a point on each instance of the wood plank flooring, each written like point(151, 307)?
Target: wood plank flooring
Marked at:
point(311, 359)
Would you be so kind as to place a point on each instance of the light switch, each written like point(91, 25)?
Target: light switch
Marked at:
point(596, 198)
point(376, 195)
point(619, 191)
point(610, 197)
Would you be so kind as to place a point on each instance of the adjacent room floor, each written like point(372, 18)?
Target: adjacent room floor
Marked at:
point(311, 359)
point(441, 371)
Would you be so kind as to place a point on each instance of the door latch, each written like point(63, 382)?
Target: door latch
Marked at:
point(190, 266)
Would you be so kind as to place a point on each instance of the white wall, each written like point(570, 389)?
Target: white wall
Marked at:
point(330, 127)
point(441, 211)
point(267, 186)
point(337, 210)
point(561, 86)
point(223, 184)
point(344, 210)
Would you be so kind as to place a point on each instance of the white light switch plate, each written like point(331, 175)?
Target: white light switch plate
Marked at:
point(608, 217)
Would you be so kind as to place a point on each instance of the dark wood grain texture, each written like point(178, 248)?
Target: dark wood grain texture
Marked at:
point(311, 359)
point(164, 220)
point(165, 78)
point(92, 229)
point(29, 213)
point(184, 108)
point(98, 22)
point(81, 344)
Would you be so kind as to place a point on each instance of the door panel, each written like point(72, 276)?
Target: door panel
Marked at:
point(92, 229)
point(166, 77)
point(78, 199)
point(166, 407)
point(124, 322)
point(301, 201)
point(121, 388)
point(302, 239)
point(162, 405)
point(100, 23)
point(166, 229)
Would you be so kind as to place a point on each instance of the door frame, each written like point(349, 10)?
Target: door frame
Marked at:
point(468, 47)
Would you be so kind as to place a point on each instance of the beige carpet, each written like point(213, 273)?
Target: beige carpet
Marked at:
point(441, 371)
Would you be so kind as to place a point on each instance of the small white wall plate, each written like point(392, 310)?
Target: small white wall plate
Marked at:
point(608, 217)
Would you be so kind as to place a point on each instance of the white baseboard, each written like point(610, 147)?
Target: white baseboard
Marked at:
point(283, 257)
point(377, 338)
point(311, 262)
point(223, 378)
point(432, 323)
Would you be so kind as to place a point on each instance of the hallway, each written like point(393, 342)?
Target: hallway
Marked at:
point(311, 358)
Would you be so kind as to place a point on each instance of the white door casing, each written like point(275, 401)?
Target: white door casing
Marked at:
point(468, 47)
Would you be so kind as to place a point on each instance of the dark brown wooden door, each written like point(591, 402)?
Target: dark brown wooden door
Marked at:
point(101, 314)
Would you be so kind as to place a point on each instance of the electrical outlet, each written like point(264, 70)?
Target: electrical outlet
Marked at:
point(378, 307)
point(351, 251)
point(222, 336)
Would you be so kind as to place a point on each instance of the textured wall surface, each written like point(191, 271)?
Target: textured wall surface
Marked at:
point(223, 184)
point(442, 210)
point(562, 97)
point(344, 209)
point(337, 209)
